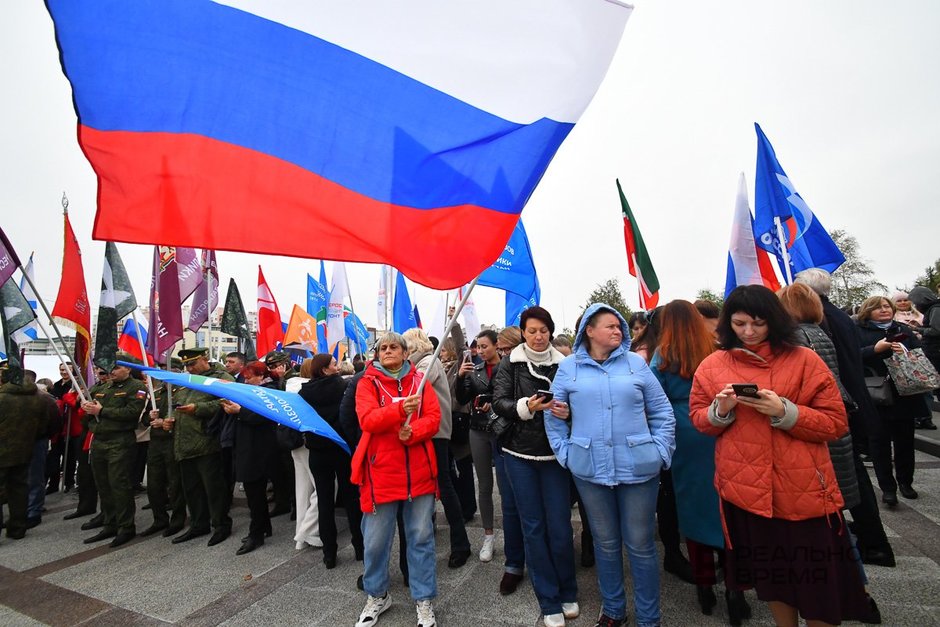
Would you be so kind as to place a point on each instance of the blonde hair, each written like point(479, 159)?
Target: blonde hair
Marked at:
point(418, 341)
point(872, 303)
point(511, 336)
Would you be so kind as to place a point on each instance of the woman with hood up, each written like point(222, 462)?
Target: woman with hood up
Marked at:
point(615, 431)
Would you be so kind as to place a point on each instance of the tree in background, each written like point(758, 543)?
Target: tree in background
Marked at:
point(854, 280)
point(931, 276)
point(609, 292)
point(710, 296)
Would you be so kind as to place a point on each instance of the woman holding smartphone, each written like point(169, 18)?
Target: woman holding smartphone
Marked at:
point(780, 503)
point(614, 429)
point(540, 485)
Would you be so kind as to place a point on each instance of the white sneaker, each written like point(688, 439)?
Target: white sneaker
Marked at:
point(425, 612)
point(554, 620)
point(486, 553)
point(374, 607)
point(571, 610)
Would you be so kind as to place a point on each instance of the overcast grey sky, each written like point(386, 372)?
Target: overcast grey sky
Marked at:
point(847, 92)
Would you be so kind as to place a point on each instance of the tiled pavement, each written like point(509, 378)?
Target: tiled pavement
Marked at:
point(51, 578)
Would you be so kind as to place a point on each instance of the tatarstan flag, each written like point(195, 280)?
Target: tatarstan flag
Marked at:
point(638, 258)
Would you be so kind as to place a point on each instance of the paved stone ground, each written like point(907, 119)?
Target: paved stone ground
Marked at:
point(51, 578)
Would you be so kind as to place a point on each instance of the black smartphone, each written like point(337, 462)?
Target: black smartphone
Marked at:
point(482, 399)
point(897, 337)
point(748, 390)
point(546, 395)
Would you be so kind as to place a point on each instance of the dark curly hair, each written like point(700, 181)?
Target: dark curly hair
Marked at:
point(758, 302)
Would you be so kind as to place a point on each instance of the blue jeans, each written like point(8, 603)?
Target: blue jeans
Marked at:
point(513, 545)
point(37, 479)
point(625, 514)
point(378, 530)
point(542, 497)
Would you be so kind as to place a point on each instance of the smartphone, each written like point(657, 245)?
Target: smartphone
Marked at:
point(748, 390)
point(482, 399)
point(546, 395)
point(897, 337)
point(467, 358)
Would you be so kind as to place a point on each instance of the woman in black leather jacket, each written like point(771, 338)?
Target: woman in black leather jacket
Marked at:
point(539, 482)
point(882, 336)
point(330, 464)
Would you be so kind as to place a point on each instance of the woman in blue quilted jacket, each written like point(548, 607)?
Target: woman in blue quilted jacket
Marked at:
point(614, 429)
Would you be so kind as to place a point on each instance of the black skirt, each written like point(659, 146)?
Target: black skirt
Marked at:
point(807, 564)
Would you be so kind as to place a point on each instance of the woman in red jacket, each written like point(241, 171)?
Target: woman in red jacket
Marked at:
point(772, 406)
point(395, 466)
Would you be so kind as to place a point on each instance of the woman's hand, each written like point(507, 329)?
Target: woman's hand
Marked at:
point(230, 407)
point(404, 434)
point(561, 410)
point(768, 403)
point(536, 403)
point(466, 368)
point(727, 400)
point(411, 404)
point(883, 346)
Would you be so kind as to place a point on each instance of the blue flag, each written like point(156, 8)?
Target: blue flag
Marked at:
point(356, 332)
point(514, 272)
point(403, 314)
point(318, 297)
point(284, 408)
point(775, 198)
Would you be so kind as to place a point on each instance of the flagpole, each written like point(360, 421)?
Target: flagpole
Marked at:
point(143, 352)
point(352, 309)
point(787, 272)
point(450, 325)
point(80, 383)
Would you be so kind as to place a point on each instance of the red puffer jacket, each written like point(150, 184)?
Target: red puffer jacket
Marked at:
point(386, 468)
point(771, 471)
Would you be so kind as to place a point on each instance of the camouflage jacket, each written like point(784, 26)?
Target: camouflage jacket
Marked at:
point(192, 437)
point(23, 418)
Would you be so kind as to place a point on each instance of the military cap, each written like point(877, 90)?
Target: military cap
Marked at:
point(275, 358)
point(189, 355)
point(176, 363)
point(122, 356)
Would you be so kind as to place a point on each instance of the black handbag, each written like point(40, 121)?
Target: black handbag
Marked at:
point(880, 389)
point(288, 439)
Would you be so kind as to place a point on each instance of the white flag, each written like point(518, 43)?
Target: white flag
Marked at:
point(335, 321)
point(382, 307)
point(470, 320)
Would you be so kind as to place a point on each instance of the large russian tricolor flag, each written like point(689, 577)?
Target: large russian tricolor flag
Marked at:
point(376, 132)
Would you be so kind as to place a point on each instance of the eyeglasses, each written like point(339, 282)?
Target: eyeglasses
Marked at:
point(505, 350)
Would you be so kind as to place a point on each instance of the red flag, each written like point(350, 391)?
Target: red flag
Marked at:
point(270, 331)
point(71, 305)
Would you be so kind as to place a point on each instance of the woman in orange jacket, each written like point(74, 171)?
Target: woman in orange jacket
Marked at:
point(772, 406)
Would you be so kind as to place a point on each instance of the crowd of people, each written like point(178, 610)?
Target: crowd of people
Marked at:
point(741, 430)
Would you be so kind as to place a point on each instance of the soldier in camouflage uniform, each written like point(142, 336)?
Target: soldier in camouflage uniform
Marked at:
point(164, 487)
point(23, 417)
point(114, 411)
point(199, 454)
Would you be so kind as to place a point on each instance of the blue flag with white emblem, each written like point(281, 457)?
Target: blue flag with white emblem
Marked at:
point(514, 271)
point(775, 199)
point(284, 408)
point(403, 314)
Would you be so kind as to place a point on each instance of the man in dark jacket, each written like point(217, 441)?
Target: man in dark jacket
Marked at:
point(23, 418)
point(873, 543)
point(928, 304)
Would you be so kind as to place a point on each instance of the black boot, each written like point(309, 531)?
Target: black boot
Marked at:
point(706, 599)
point(738, 608)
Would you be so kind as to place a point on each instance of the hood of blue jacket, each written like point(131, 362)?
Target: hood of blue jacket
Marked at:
point(580, 347)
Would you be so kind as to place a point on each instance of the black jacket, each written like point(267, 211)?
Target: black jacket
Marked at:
point(256, 448)
point(348, 418)
point(514, 381)
point(472, 385)
point(847, 340)
point(324, 394)
point(905, 407)
point(928, 304)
